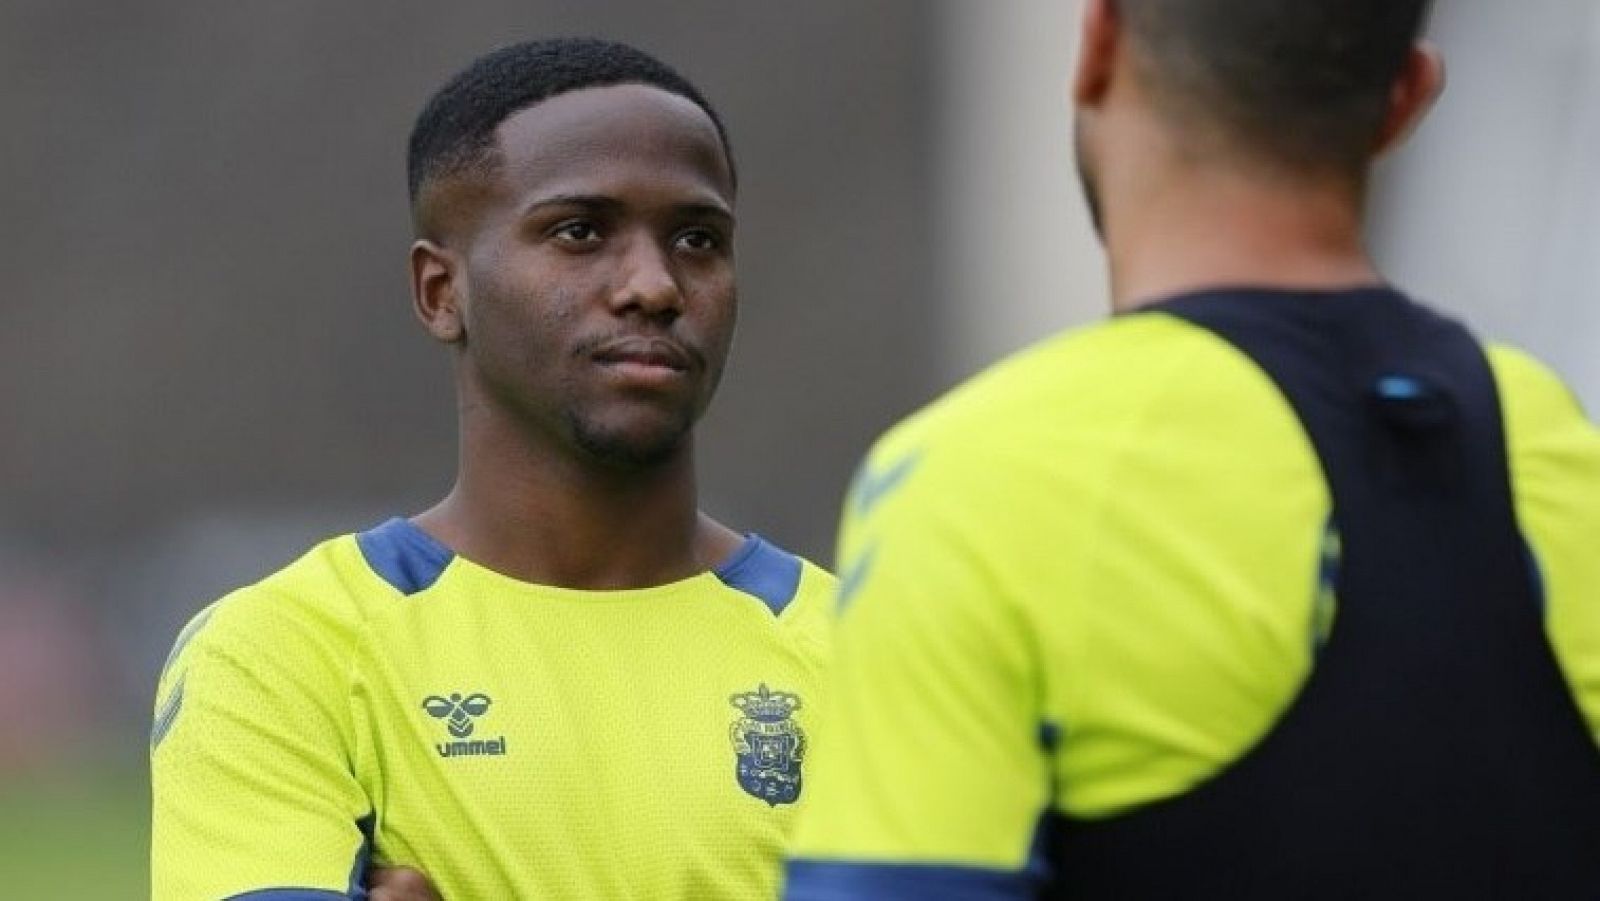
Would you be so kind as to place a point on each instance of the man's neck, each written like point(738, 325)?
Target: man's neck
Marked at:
point(555, 516)
point(1190, 231)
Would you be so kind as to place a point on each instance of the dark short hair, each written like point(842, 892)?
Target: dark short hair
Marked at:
point(1305, 82)
point(454, 133)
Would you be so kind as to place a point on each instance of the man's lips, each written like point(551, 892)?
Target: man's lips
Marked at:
point(644, 353)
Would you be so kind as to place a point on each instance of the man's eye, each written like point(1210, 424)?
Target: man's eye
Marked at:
point(699, 239)
point(576, 232)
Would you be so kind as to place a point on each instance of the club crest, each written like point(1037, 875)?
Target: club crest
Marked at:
point(768, 745)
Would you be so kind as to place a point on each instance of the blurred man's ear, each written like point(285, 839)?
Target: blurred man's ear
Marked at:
point(1415, 89)
point(1098, 45)
point(436, 294)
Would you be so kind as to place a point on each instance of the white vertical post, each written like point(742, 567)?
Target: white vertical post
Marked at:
point(1493, 211)
point(1018, 256)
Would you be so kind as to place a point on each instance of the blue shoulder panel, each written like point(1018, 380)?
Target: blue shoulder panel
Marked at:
point(168, 714)
point(405, 556)
point(818, 880)
point(764, 570)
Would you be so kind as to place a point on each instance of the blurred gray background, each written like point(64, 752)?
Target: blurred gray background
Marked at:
point(208, 360)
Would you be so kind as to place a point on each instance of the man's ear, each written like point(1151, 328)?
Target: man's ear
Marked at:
point(1415, 89)
point(437, 292)
point(1098, 45)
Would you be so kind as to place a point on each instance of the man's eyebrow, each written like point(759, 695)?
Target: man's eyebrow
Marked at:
point(586, 201)
point(705, 209)
point(601, 203)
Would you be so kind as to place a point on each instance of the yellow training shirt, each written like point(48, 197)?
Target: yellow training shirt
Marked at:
point(383, 698)
point(1092, 579)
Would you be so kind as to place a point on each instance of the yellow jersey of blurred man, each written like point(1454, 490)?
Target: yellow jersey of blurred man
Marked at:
point(1279, 585)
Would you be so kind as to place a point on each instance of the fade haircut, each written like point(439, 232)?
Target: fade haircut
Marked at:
point(455, 132)
point(1302, 83)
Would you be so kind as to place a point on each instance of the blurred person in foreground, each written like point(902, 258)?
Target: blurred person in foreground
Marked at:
point(564, 680)
point(1276, 585)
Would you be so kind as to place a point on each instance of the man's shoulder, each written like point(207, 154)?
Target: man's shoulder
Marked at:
point(1069, 390)
point(325, 583)
point(1553, 447)
point(1530, 390)
point(1083, 371)
point(814, 599)
point(312, 604)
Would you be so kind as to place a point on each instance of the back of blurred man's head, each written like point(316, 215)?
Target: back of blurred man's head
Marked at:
point(1305, 82)
point(1306, 85)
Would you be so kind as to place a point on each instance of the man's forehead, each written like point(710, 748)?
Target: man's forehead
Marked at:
point(589, 128)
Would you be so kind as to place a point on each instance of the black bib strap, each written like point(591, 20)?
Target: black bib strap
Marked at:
point(1435, 751)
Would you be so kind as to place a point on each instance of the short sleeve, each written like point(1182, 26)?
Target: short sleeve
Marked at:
point(929, 776)
point(253, 789)
point(1554, 454)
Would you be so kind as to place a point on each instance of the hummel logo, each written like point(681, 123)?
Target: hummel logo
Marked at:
point(459, 713)
point(459, 710)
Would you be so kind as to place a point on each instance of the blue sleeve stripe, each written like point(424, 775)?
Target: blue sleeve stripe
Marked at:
point(763, 570)
point(168, 713)
point(290, 894)
point(184, 637)
point(873, 485)
point(820, 880)
point(854, 577)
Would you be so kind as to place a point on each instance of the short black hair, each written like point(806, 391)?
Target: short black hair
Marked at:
point(455, 130)
point(1305, 82)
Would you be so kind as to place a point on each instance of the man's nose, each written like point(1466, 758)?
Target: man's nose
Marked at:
point(647, 281)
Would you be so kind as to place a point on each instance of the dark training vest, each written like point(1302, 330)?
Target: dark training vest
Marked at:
point(1435, 751)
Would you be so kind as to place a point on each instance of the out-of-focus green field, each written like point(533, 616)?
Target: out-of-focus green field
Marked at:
point(75, 835)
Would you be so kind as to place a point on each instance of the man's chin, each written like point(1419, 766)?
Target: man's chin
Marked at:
point(638, 447)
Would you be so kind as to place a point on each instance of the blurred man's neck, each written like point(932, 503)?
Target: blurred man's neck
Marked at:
point(1187, 226)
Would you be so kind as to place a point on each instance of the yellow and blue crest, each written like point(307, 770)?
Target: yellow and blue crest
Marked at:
point(768, 745)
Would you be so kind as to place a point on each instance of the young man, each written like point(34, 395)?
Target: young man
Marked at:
point(563, 681)
point(1276, 586)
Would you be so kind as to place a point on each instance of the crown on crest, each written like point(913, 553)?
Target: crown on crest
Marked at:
point(765, 705)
